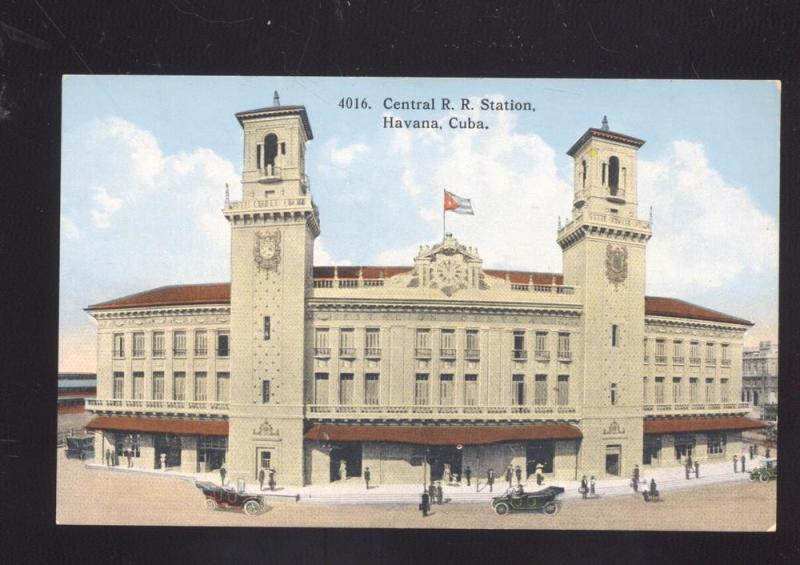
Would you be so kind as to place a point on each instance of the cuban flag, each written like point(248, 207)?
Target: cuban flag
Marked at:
point(453, 203)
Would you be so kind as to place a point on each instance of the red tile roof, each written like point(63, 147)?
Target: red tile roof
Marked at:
point(184, 427)
point(672, 425)
point(219, 293)
point(441, 435)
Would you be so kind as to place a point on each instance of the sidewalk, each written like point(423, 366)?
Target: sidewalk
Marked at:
point(353, 490)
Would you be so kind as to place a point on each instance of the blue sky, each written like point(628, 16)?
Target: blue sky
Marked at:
point(145, 160)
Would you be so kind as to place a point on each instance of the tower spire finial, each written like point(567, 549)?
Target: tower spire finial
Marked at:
point(227, 195)
point(276, 100)
point(605, 123)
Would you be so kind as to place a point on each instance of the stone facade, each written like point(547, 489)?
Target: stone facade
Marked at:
point(760, 380)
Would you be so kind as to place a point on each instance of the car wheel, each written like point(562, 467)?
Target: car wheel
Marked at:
point(551, 508)
point(501, 508)
point(753, 476)
point(211, 504)
point(764, 477)
point(251, 507)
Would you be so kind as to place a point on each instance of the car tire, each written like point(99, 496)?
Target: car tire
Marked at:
point(753, 477)
point(764, 477)
point(552, 508)
point(501, 508)
point(251, 507)
point(211, 504)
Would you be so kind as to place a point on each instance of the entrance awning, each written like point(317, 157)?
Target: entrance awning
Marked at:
point(182, 427)
point(441, 435)
point(677, 425)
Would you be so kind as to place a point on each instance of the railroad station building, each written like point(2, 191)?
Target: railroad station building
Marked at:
point(320, 371)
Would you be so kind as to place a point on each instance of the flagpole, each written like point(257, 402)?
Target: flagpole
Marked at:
point(444, 220)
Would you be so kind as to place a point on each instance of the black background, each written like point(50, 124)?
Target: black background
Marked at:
point(42, 39)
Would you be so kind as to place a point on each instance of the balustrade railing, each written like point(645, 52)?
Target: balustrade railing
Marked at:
point(696, 408)
point(425, 411)
point(162, 406)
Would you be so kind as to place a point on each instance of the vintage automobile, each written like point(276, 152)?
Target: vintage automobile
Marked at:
point(80, 447)
point(767, 471)
point(539, 501)
point(218, 497)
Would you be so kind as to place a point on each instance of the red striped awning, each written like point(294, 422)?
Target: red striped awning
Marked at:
point(177, 426)
point(441, 435)
point(677, 425)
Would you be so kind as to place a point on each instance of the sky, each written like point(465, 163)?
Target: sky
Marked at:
point(145, 161)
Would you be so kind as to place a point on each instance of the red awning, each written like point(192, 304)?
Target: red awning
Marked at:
point(182, 427)
point(672, 425)
point(441, 435)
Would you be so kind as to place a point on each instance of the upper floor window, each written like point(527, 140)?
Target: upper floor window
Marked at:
point(519, 353)
point(726, 354)
point(223, 339)
point(320, 388)
point(421, 396)
point(266, 153)
point(646, 351)
point(659, 390)
point(724, 390)
point(563, 390)
point(223, 387)
point(158, 385)
point(179, 344)
point(661, 351)
point(119, 385)
point(448, 348)
point(694, 393)
point(614, 335)
point(373, 342)
point(347, 342)
point(371, 389)
point(446, 397)
point(613, 175)
point(694, 353)
point(583, 173)
point(540, 390)
point(119, 346)
point(201, 343)
point(138, 344)
point(179, 386)
point(711, 354)
point(346, 388)
point(473, 345)
point(677, 390)
point(564, 352)
point(470, 390)
point(541, 344)
point(158, 344)
point(322, 347)
point(138, 385)
point(422, 343)
point(710, 390)
point(518, 390)
point(266, 392)
point(200, 384)
point(614, 393)
point(677, 352)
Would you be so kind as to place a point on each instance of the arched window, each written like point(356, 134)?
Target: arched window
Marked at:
point(583, 173)
point(755, 398)
point(270, 151)
point(613, 175)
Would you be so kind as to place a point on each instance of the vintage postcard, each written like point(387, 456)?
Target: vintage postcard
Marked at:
point(419, 303)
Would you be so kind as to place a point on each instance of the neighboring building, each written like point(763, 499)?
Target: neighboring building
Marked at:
point(74, 389)
point(760, 380)
point(319, 371)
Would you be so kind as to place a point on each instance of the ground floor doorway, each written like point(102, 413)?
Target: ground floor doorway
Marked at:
point(445, 463)
point(211, 453)
point(537, 452)
point(168, 445)
point(345, 461)
point(613, 459)
point(684, 446)
point(651, 450)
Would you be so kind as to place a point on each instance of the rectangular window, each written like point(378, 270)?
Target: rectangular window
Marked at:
point(659, 397)
point(540, 390)
point(322, 344)
point(614, 392)
point(200, 384)
point(373, 343)
point(726, 354)
point(470, 390)
point(119, 385)
point(711, 354)
point(518, 352)
point(372, 389)
point(542, 349)
point(138, 385)
point(320, 388)
point(651, 449)
point(646, 351)
point(614, 335)
point(563, 390)
point(723, 390)
point(677, 353)
point(677, 390)
point(421, 396)
point(694, 353)
point(266, 391)
point(446, 390)
point(564, 352)
point(473, 349)
point(710, 390)
point(223, 387)
point(119, 346)
point(346, 388)
point(645, 391)
point(422, 343)
point(661, 352)
point(158, 385)
point(201, 343)
point(179, 344)
point(267, 328)
point(694, 392)
point(223, 339)
point(158, 345)
point(138, 344)
point(518, 390)
point(347, 342)
point(448, 348)
point(715, 443)
point(179, 386)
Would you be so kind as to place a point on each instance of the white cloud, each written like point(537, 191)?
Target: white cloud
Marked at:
point(68, 228)
point(706, 232)
point(398, 257)
point(323, 258)
point(144, 152)
point(107, 206)
point(343, 157)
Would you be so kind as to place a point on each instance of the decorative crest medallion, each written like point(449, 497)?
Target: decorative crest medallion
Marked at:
point(616, 264)
point(613, 429)
point(267, 250)
point(265, 429)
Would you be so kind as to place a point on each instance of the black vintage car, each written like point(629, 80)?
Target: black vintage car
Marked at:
point(80, 447)
point(229, 499)
point(514, 500)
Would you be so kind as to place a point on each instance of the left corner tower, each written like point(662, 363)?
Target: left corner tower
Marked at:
point(273, 228)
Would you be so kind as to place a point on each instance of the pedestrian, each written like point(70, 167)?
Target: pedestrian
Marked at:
point(591, 486)
point(518, 473)
point(584, 489)
point(367, 476)
point(689, 460)
point(744, 461)
point(222, 473)
point(490, 479)
point(261, 476)
point(539, 474)
point(272, 481)
point(755, 450)
point(432, 492)
point(688, 469)
point(653, 490)
point(697, 469)
point(108, 458)
point(439, 492)
point(751, 450)
point(425, 505)
point(509, 474)
point(735, 460)
point(767, 452)
point(468, 474)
